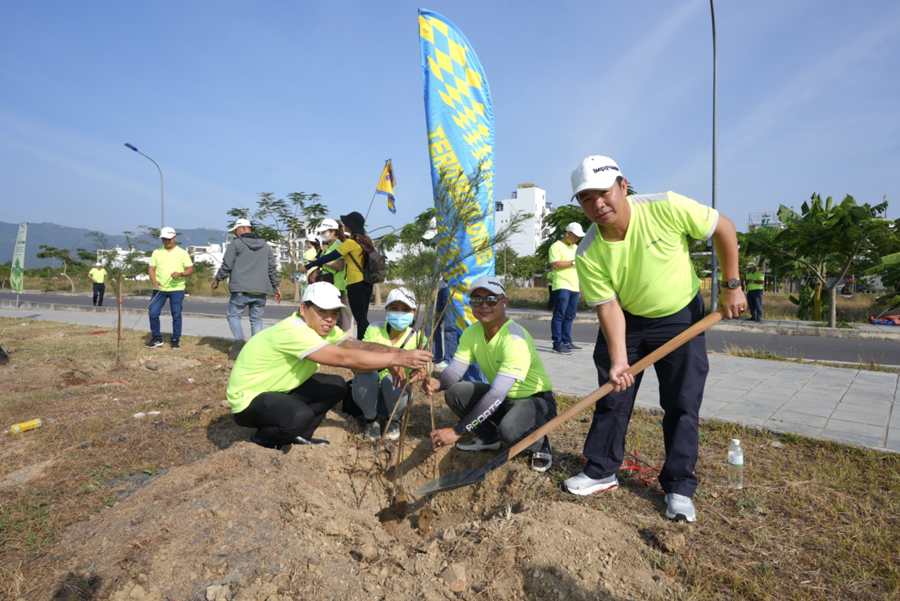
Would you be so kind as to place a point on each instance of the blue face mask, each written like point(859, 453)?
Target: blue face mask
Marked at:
point(400, 320)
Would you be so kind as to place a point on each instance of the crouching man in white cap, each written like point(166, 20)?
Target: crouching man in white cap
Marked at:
point(375, 392)
point(634, 267)
point(519, 398)
point(274, 386)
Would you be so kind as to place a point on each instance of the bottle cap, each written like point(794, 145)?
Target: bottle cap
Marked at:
point(735, 441)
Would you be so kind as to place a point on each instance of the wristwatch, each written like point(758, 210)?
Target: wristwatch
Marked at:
point(734, 283)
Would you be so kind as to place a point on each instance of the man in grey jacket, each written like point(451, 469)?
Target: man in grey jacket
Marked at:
point(251, 266)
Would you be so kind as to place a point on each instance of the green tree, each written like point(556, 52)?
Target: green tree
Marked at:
point(5, 274)
point(64, 255)
point(824, 233)
point(285, 221)
point(505, 261)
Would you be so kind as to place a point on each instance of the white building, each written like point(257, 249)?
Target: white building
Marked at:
point(527, 198)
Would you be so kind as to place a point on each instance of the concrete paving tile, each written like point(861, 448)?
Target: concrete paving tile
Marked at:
point(892, 446)
point(725, 395)
point(858, 417)
point(753, 409)
point(893, 434)
point(792, 417)
point(852, 405)
point(866, 441)
point(867, 404)
point(837, 373)
point(855, 428)
point(766, 395)
point(809, 406)
point(871, 392)
point(821, 393)
point(878, 377)
point(792, 427)
point(738, 418)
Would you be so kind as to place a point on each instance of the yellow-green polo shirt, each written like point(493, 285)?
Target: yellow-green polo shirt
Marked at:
point(511, 353)
point(340, 277)
point(167, 262)
point(274, 360)
point(755, 280)
point(650, 271)
point(378, 332)
point(309, 255)
point(99, 275)
point(566, 278)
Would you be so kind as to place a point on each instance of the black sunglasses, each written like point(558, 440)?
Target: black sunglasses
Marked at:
point(475, 301)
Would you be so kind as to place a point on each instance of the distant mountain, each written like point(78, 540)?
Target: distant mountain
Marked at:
point(61, 236)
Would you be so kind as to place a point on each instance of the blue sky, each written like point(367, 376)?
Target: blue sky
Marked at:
point(235, 98)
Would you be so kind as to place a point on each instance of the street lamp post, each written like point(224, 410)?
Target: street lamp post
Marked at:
point(162, 198)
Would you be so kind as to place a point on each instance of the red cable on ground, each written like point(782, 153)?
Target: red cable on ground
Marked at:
point(632, 466)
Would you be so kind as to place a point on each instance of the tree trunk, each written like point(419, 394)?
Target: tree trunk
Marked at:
point(832, 308)
point(296, 278)
point(71, 283)
point(817, 302)
point(377, 295)
point(119, 358)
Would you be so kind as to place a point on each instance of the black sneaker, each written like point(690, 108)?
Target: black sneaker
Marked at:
point(175, 343)
point(573, 347)
point(310, 441)
point(154, 343)
point(562, 350)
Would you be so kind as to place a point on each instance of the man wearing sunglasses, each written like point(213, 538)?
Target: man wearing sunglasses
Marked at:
point(519, 398)
point(634, 267)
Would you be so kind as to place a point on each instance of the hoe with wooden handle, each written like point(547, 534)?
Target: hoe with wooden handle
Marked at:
point(465, 478)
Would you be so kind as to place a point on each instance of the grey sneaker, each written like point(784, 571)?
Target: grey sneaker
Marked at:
point(582, 484)
point(543, 459)
point(393, 431)
point(154, 343)
point(372, 431)
point(680, 508)
point(477, 444)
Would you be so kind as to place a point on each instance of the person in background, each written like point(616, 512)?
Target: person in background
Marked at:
point(755, 281)
point(98, 276)
point(249, 265)
point(274, 386)
point(169, 266)
point(565, 289)
point(332, 235)
point(375, 392)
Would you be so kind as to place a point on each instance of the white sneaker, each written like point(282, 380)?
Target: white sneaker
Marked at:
point(372, 431)
point(582, 484)
point(477, 444)
point(393, 431)
point(680, 508)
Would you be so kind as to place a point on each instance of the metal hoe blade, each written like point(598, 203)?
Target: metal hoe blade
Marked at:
point(464, 478)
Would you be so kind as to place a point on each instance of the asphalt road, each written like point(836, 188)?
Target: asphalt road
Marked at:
point(791, 347)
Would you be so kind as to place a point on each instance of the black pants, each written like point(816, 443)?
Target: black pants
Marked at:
point(99, 289)
point(360, 295)
point(281, 416)
point(682, 377)
point(754, 300)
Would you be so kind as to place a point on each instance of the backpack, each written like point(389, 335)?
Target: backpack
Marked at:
point(375, 270)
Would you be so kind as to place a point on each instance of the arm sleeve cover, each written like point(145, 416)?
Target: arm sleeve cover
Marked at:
point(452, 374)
point(332, 256)
point(488, 404)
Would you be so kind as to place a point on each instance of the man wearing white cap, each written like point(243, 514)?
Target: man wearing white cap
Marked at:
point(169, 266)
point(274, 386)
point(755, 280)
point(98, 276)
point(250, 266)
point(634, 267)
point(519, 398)
point(565, 289)
point(375, 392)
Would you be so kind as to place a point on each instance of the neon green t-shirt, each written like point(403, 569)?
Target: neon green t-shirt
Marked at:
point(567, 278)
point(309, 255)
point(378, 332)
point(99, 275)
point(756, 280)
point(340, 277)
point(650, 271)
point(511, 353)
point(274, 360)
point(167, 262)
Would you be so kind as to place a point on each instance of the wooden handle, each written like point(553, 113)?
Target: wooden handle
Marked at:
point(693, 331)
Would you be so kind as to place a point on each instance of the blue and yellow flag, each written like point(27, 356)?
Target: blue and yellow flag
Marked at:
point(460, 119)
point(386, 185)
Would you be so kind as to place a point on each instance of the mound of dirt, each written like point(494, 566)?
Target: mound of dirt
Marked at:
point(250, 524)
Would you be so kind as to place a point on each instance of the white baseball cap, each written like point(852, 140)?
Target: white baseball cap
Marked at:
point(327, 224)
point(167, 232)
point(751, 264)
point(323, 295)
point(240, 223)
point(594, 173)
point(576, 229)
point(432, 229)
point(98, 264)
point(404, 295)
point(489, 283)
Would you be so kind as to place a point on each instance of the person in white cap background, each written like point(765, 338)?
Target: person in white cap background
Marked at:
point(634, 267)
point(274, 386)
point(755, 280)
point(98, 276)
point(375, 392)
point(169, 266)
point(332, 235)
point(565, 289)
point(519, 398)
point(249, 265)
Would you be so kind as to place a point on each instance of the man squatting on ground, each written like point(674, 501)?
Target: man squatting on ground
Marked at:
point(634, 267)
point(274, 386)
point(250, 266)
point(519, 398)
point(169, 266)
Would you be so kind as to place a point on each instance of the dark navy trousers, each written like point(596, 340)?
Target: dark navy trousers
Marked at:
point(682, 377)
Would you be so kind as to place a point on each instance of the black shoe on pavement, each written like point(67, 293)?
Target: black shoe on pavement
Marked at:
point(562, 350)
point(175, 343)
point(573, 347)
point(154, 343)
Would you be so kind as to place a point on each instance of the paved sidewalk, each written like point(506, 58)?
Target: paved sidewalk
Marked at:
point(845, 405)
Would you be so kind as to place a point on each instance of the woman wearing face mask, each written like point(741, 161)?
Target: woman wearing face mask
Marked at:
point(374, 392)
point(332, 233)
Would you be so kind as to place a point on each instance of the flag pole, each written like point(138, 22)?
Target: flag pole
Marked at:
point(370, 206)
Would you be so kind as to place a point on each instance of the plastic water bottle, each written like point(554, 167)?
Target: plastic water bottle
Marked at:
point(23, 427)
point(736, 464)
